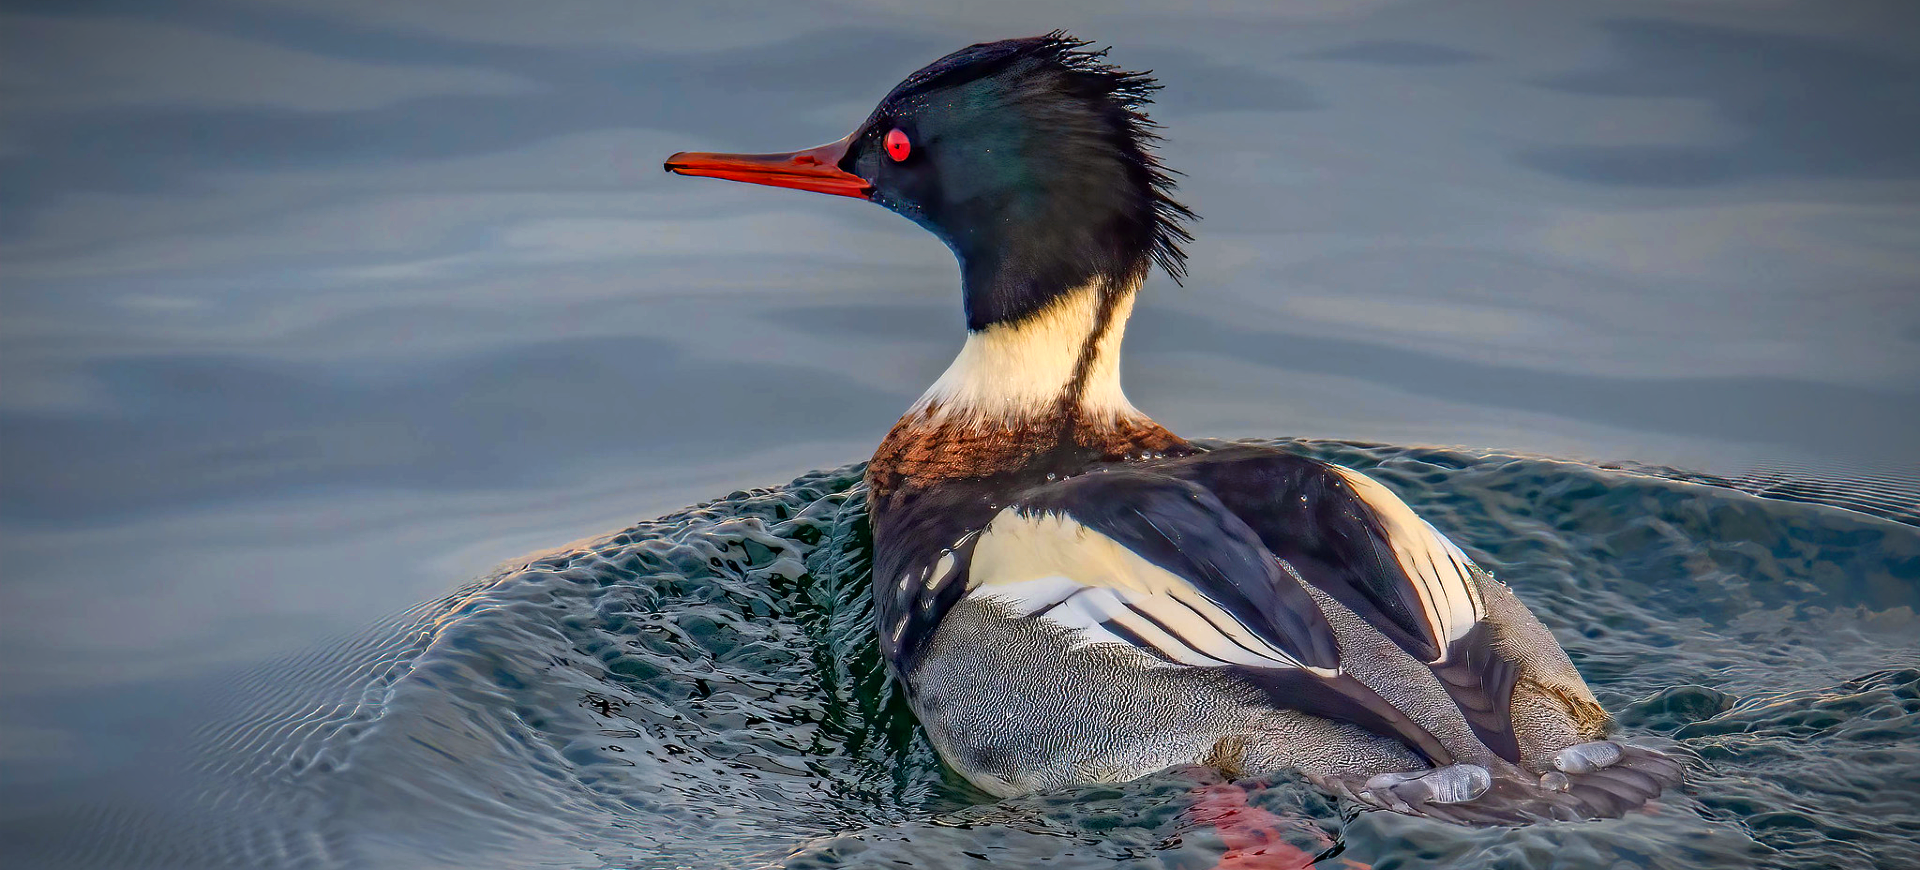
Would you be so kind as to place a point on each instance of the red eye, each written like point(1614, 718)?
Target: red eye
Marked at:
point(897, 145)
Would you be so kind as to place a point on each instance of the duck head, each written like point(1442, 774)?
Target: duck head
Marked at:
point(1029, 157)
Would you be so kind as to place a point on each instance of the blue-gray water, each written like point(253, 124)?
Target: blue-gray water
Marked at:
point(310, 312)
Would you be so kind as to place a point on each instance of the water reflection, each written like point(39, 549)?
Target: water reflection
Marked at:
point(1808, 106)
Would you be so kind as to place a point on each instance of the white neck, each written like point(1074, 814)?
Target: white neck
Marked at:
point(1020, 371)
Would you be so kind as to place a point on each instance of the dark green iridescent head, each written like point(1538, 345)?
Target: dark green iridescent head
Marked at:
point(1030, 158)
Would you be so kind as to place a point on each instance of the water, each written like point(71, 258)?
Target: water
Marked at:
point(312, 312)
point(704, 690)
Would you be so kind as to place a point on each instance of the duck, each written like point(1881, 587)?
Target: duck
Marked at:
point(1071, 594)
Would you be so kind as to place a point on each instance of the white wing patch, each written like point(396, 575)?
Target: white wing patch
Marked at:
point(1076, 577)
point(1442, 575)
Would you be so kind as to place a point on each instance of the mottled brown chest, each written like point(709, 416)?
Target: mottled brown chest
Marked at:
point(924, 449)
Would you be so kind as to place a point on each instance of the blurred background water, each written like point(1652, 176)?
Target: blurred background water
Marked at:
point(310, 312)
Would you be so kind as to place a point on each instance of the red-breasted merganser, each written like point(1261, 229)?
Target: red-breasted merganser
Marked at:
point(1070, 593)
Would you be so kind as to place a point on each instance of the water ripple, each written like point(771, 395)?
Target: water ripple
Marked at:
point(703, 690)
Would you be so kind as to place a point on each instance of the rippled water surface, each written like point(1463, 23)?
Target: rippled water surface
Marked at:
point(704, 689)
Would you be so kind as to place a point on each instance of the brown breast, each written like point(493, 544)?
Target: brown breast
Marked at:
point(924, 449)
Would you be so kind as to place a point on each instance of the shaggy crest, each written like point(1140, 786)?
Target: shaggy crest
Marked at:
point(1086, 74)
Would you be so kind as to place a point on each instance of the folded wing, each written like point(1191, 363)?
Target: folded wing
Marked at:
point(1354, 539)
point(1162, 566)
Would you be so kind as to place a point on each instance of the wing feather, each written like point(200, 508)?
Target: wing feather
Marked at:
point(1161, 565)
point(1354, 539)
point(1051, 566)
point(1448, 598)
